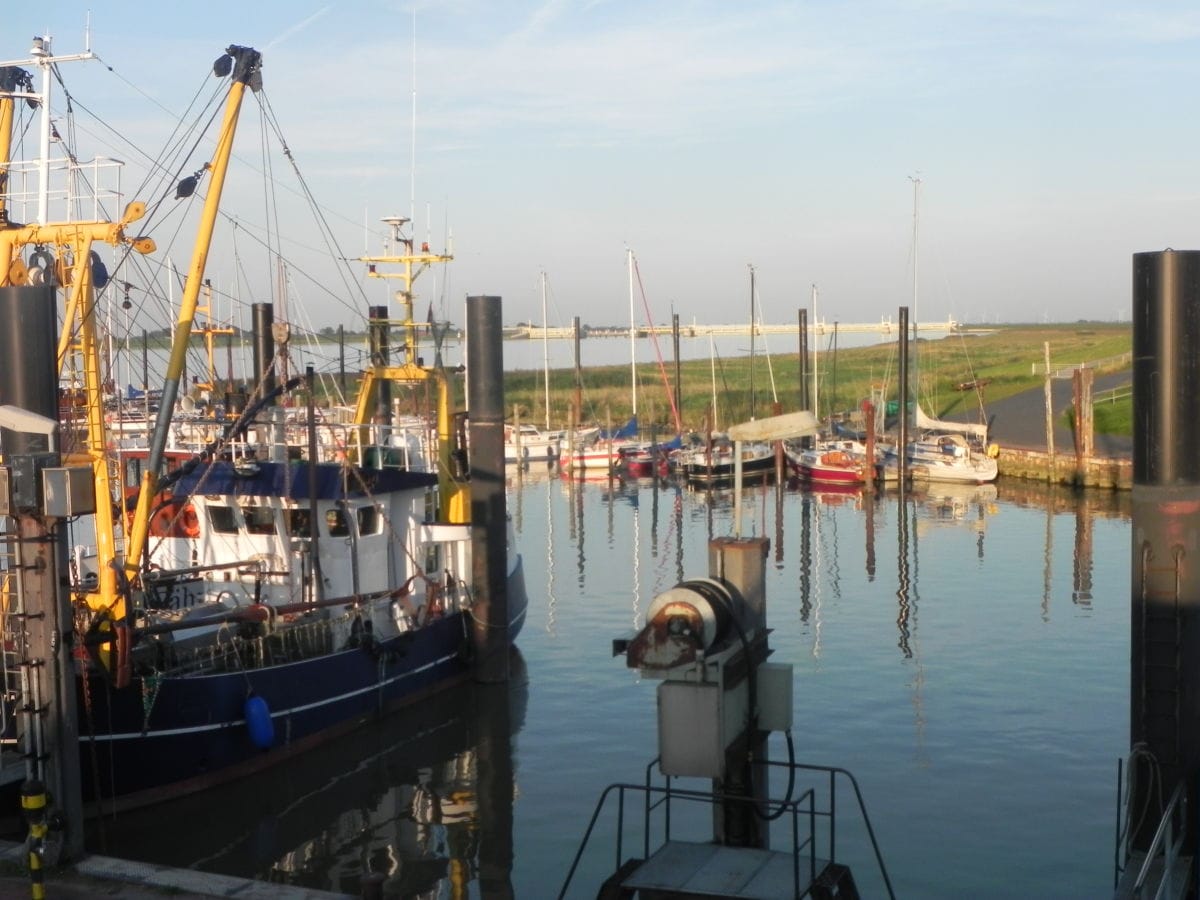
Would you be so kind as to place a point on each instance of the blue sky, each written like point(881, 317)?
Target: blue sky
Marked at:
point(1052, 140)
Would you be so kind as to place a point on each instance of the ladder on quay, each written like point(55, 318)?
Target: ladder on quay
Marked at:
point(14, 692)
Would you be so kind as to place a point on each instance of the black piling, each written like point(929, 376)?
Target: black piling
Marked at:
point(381, 355)
point(485, 401)
point(678, 371)
point(29, 380)
point(803, 350)
point(805, 396)
point(264, 349)
point(1165, 590)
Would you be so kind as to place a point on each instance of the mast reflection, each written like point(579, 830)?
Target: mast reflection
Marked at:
point(806, 514)
point(903, 608)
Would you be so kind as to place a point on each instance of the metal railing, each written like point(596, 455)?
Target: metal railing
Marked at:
point(1165, 847)
point(1113, 395)
point(803, 810)
point(1068, 370)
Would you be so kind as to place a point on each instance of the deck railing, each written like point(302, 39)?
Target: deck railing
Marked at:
point(802, 812)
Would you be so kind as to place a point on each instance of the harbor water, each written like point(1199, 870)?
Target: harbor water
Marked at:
point(965, 654)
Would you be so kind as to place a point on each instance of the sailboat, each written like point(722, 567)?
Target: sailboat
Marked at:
point(239, 608)
point(602, 450)
point(954, 452)
point(524, 443)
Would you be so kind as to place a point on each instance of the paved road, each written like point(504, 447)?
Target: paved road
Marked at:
point(1020, 420)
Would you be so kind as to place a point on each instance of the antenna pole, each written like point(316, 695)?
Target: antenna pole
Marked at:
point(412, 172)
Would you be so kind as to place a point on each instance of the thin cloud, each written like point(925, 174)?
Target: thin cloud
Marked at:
point(297, 28)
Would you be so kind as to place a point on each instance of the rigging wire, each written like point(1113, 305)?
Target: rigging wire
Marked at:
point(657, 352)
point(331, 244)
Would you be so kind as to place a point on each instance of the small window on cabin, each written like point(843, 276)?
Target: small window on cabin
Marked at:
point(337, 523)
point(369, 520)
point(299, 522)
point(259, 519)
point(221, 519)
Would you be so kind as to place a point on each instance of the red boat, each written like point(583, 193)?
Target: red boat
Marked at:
point(830, 462)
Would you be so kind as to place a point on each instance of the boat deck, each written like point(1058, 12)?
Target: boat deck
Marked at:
point(692, 869)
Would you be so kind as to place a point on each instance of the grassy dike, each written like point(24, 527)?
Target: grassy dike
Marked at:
point(1007, 358)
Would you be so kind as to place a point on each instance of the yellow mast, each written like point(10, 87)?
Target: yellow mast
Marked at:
point(73, 242)
point(11, 78)
point(209, 331)
point(245, 63)
point(453, 494)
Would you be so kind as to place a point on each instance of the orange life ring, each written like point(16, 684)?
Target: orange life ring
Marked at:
point(175, 517)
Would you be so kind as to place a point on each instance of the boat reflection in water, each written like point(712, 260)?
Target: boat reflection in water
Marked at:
point(421, 801)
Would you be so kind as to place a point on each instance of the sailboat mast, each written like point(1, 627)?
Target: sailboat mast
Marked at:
point(632, 335)
point(916, 380)
point(712, 366)
point(545, 350)
point(816, 405)
point(751, 342)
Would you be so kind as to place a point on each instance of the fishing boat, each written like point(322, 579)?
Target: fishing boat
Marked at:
point(247, 602)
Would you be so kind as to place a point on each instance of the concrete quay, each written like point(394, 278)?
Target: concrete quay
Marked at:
point(104, 876)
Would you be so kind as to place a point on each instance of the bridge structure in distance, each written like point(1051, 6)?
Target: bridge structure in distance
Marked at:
point(885, 327)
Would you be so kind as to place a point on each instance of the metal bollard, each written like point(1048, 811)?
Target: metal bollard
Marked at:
point(33, 806)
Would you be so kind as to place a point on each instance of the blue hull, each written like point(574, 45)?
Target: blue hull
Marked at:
point(165, 737)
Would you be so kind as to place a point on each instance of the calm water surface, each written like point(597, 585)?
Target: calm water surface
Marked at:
point(965, 655)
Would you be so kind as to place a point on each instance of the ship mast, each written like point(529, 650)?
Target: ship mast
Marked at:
point(245, 64)
point(65, 258)
point(452, 493)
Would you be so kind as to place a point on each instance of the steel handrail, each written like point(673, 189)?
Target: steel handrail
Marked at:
point(1164, 842)
point(795, 806)
point(862, 808)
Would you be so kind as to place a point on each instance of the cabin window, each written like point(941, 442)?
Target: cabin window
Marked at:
point(299, 522)
point(369, 520)
point(259, 519)
point(221, 519)
point(337, 523)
